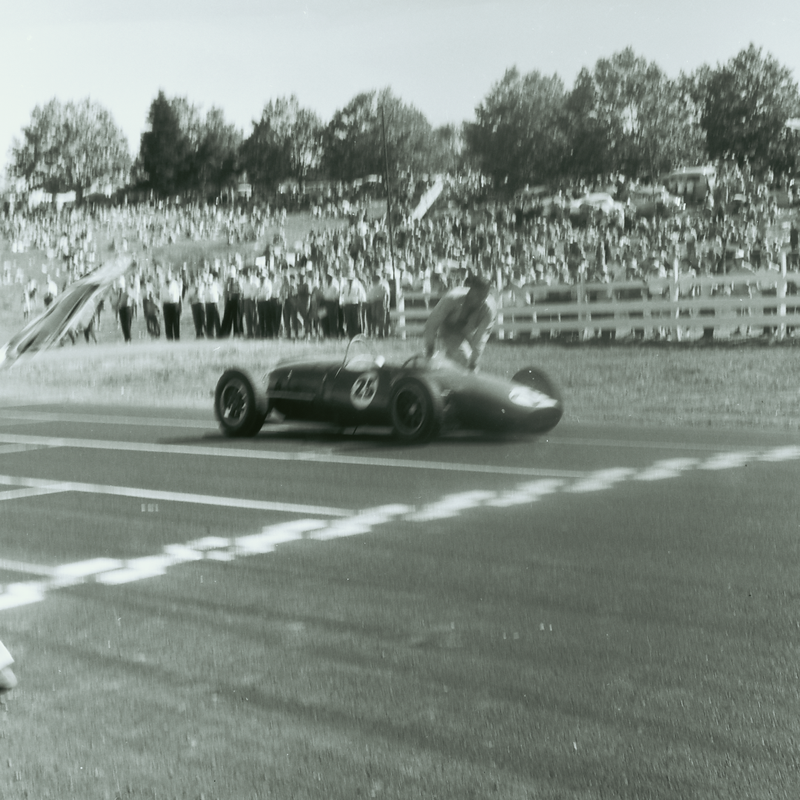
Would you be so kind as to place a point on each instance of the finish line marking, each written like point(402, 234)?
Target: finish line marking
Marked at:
point(113, 572)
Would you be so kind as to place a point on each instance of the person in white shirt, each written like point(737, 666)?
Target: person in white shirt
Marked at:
point(377, 306)
point(211, 296)
point(232, 317)
point(195, 297)
point(353, 297)
point(276, 303)
point(263, 311)
point(171, 294)
point(124, 302)
point(249, 292)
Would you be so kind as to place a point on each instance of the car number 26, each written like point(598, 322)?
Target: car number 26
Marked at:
point(364, 389)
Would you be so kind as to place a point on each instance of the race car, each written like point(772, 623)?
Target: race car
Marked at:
point(417, 399)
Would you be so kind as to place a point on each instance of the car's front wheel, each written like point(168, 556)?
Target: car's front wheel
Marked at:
point(416, 410)
point(239, 407)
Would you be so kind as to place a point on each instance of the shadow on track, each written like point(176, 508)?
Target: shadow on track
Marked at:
point(358, 439)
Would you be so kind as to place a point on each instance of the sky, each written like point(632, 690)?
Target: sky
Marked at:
point(442, 56)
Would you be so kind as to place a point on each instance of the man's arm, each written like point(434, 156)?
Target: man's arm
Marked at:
point(434, 322)
point(480, 335)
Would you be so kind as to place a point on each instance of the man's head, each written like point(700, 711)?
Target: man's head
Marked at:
point(478, 292)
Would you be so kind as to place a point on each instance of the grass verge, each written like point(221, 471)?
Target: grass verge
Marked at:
point(749, 385)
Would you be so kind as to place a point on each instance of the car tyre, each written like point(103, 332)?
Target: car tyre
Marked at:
point(416, 410)
point(239, 407)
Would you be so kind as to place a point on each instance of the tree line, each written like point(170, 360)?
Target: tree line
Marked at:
point(624, 115)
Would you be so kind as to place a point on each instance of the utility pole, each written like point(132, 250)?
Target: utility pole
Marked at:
point(388, 192)
point(400, 305)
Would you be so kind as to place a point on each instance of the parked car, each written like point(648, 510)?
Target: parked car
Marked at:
point(595, 203)
point(651, 201)
point(691, 183)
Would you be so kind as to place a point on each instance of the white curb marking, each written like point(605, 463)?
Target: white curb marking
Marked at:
point(669, 468)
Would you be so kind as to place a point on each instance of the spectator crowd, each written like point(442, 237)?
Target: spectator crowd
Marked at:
point(340, 280)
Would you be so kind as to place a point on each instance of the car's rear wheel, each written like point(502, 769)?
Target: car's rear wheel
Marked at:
point(239, 407)
point(416, 410)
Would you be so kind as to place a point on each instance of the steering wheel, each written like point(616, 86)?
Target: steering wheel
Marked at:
point(415, 360)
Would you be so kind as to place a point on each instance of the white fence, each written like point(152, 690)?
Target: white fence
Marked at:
point(680, 306)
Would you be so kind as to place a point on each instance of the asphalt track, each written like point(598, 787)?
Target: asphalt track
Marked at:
point(694, 533)
point(218, 498)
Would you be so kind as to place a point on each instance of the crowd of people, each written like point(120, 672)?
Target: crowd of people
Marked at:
point(342, 280)
point(267, 300)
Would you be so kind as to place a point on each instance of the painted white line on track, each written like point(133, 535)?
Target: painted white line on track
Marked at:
point(451, 505)
point(21, 594)
point(526, 493)
point(669, 468)
point(279, 455)
point(114, 572)
point(175, 497)
point(107, 419)
point(271, 537)
point(17, 494)
point(25, 568)
point(602, 479)
point(730, 460)
point(8, 449)
point(636, 444)
point(789, 453)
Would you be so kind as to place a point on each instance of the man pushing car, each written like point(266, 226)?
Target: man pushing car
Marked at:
point(462, 321)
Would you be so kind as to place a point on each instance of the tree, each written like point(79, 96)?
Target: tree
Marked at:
point(284, 143)
point(518, 134)
point(628, 115)
point(670, 133)
point(450, 153)
point(589, 146)
point(182, 151)
point(215, 160)
point(746, 103)
point(71, 147)
point(353, 140)
point(165, 148)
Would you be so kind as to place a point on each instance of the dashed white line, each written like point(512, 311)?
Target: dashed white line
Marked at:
point(451, 505)
point(602, 479)
point(669, 468)
point(345, 523)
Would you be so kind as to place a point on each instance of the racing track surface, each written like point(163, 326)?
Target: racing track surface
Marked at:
point(615, 610)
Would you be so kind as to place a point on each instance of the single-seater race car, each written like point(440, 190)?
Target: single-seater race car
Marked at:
point(417, 399)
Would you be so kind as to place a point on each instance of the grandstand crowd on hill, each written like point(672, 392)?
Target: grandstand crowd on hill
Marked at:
point(340, 280)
